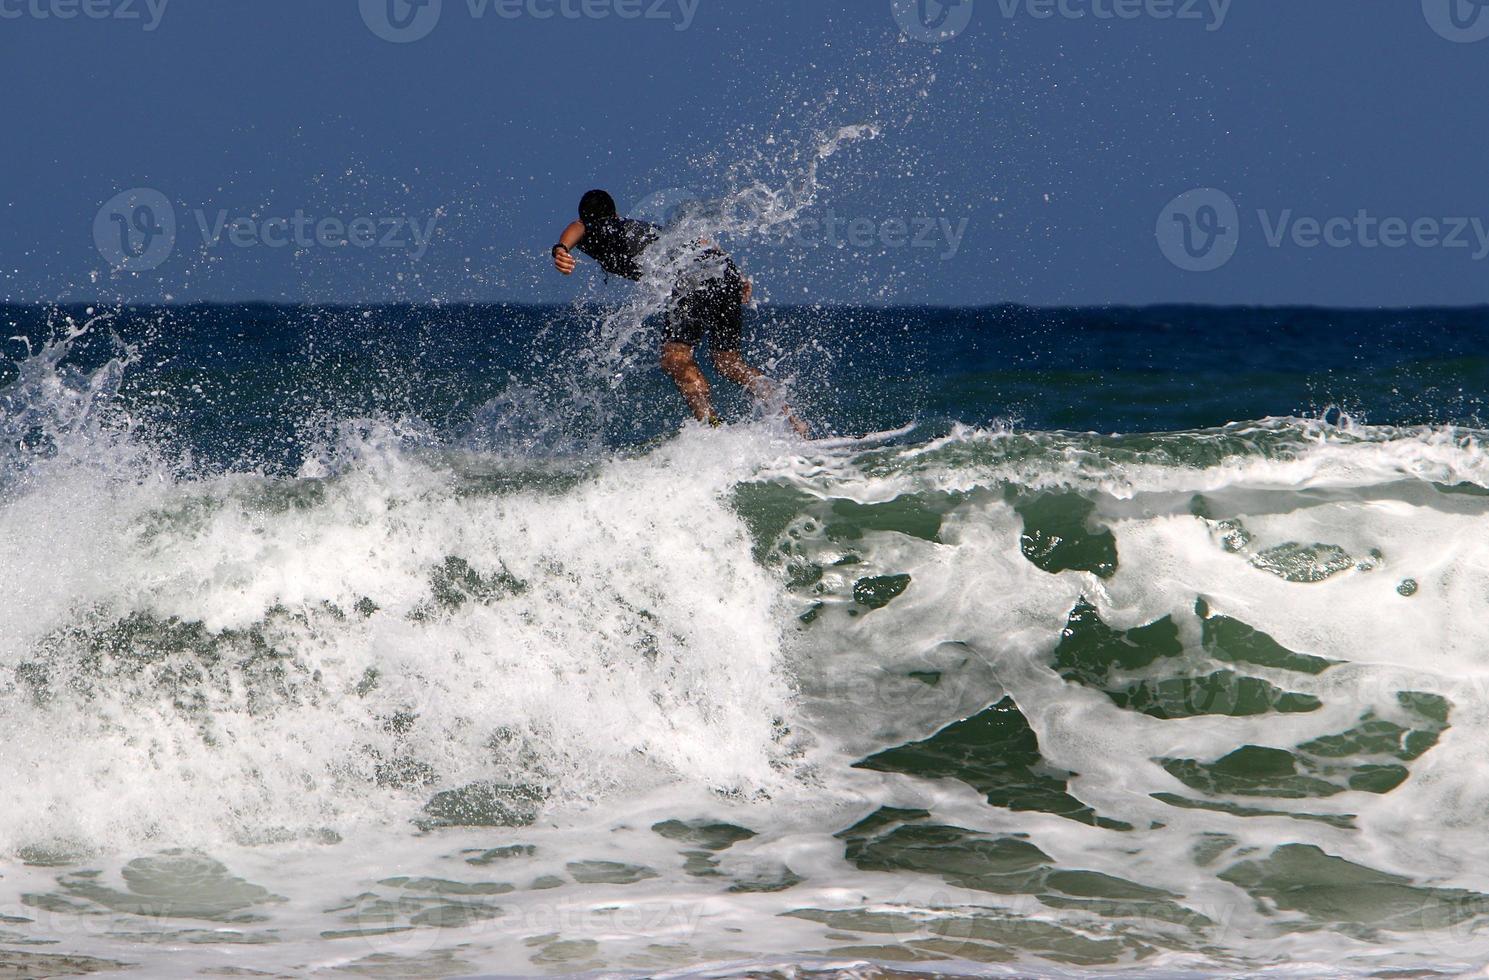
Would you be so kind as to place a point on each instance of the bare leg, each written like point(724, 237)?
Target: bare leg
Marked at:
point(678, 362)
point(734, 367)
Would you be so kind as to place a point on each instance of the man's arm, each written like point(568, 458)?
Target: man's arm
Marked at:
point(562, 260)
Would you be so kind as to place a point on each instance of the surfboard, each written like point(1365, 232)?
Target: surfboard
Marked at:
point(868, 439)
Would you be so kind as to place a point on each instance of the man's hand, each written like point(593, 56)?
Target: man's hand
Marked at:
point(563, 261)
point(745, 292)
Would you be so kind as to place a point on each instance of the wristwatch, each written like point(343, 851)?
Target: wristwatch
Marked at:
point(560, 245)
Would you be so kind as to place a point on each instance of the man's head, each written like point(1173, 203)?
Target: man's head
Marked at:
point(596, 206)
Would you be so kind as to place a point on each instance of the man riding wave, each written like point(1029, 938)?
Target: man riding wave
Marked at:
point(708, 296)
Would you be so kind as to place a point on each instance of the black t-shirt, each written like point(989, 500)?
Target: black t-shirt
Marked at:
point(617, 244)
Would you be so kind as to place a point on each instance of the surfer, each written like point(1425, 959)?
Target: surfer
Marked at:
point(708, 297)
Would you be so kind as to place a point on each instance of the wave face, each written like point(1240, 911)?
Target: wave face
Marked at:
point(323, 666)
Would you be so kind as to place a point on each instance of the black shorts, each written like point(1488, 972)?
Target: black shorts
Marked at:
point(714, 309)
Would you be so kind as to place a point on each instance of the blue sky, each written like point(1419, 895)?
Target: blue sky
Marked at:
point(1033, 155)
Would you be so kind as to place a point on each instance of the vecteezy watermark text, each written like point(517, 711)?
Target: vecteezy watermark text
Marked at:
point(137, 230)
point(935, 21)
point(403, 21)
point(836, 231)
point(304, 232)
point(148, 12)
point(1212, 12)
point(832, 230)
point(1200, 231)
point(1364, 230)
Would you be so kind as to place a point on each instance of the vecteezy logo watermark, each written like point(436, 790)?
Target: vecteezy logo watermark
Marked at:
point(1200, 230)
point(932, 21)
point(1212, 12)
point(1460, 21)
point(148, 12)
point(402, 21)
point(136, 231)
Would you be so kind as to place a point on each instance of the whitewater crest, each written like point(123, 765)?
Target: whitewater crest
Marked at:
point(193, 658)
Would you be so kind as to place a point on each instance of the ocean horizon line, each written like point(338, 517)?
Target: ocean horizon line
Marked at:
point(103, 306)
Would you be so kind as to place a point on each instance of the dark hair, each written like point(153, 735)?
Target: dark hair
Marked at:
point(596, 206)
